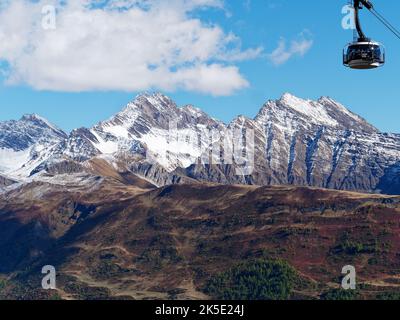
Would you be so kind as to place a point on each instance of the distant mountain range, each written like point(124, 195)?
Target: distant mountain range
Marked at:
point(297, 142)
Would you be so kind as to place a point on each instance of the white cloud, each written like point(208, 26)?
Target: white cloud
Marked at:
point(284, 52)
point(127, 45)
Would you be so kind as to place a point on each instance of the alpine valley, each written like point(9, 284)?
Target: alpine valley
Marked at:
point(123, 212)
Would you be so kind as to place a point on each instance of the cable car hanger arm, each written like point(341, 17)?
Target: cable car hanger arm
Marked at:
point(358, 4)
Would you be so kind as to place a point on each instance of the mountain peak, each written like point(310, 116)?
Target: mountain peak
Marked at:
point(32, 117)
point(287, 96)
point(154, 98)
point(293, 101)
point(151, 102)
point(325, 112)
point(192, 110)
point(312, 110)
point(42, 122)
point(326, 99)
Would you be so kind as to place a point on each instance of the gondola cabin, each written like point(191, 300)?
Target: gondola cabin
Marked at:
point(364, 55)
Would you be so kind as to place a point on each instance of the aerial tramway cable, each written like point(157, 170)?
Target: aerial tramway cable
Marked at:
point(388, 25)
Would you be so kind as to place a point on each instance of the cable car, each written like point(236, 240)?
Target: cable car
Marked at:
point(363, 53)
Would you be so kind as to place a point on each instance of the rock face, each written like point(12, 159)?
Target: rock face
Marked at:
point(5, 182)
point(320, 143)
point(299, 142)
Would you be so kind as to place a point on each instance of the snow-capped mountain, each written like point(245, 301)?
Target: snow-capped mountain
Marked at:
point(321, 143)
point(25, 144)
point(142, 132)
point(296, 141)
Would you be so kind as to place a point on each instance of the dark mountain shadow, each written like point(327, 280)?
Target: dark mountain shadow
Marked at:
point(21, 244)
point(390, 182)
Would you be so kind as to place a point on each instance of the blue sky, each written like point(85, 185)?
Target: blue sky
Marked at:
point(258, 24)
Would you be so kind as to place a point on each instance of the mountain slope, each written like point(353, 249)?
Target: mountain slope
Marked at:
point(115, 241)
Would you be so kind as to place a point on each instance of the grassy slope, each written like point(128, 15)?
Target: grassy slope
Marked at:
point(168, 243)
